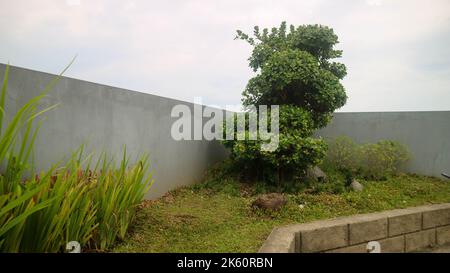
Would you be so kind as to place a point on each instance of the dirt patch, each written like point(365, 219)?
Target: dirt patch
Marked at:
point(183, 219)
point(168, 198)
point(146, 203)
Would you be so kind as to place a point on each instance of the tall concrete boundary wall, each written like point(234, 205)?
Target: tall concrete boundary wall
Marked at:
point(105, 118)
point(426, 134)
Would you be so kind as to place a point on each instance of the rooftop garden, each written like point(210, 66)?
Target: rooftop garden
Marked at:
point(211, 218)
point(98, 202)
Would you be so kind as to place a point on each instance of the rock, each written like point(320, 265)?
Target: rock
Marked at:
point(168, 198)
point(316, 174)
point(356, 186)
point(271, 201)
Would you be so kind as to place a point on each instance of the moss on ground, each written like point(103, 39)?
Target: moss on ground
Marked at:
point(199, 219)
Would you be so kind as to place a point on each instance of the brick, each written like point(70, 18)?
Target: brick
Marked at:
point(389, 245)
point(367, 229)
point(443, 235)
point(436, 218)
point(362, 248)
point(404, 224)
point(324, 238)
point(420, 240)
point(280, 240)
point(393, 245)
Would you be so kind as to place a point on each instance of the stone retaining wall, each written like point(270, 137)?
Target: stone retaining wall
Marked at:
point(403, 230)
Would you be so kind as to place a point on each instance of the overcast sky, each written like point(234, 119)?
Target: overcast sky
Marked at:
point(397, 52)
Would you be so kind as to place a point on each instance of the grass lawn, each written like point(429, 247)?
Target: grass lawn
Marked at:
point(198, 219)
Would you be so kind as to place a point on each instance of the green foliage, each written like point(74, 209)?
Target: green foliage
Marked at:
point(371, 161)
point(297, 149)
point(116, 196)
point(382, 159)
point(294, 70)
point(220, 178)
point(93, 207)
point(202, 220)
point(317, 40)
point(294, 77)
point(343, 155)
point(66, 203)
point(16, 200)
point(225, 179)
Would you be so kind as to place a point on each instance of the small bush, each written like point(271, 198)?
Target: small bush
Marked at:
point(382, 159)
point(342, 154)
point(297, 150)
point(371, 161)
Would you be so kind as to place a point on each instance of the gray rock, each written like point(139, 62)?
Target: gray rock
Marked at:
point(356, 186)
point(316, 174)
point(270, 201)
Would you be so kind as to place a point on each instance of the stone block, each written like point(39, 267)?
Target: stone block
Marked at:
point(324, 238)
point(361, 248)
point(436, 218)
point(280, 240)
point(402, 224)
point(365, 229)
point(393, 245)
point(443, 235)
point(420, 240)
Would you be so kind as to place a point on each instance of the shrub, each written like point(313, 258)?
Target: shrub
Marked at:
point(382, 159)
point(116, 196)
point(297, 150)
point(66, 203)
point(372, 160)
point(342, 154)
point(295, 71)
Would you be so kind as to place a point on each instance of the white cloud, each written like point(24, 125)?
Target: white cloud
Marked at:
point(73, 2)
point(374, 2)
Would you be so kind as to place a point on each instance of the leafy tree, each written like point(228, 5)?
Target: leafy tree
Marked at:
point(295, 69)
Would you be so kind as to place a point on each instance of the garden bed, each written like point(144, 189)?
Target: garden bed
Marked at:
point(201, 219)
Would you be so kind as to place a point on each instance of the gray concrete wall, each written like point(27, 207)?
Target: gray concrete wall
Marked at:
point(426, 134)
point(106, 118)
